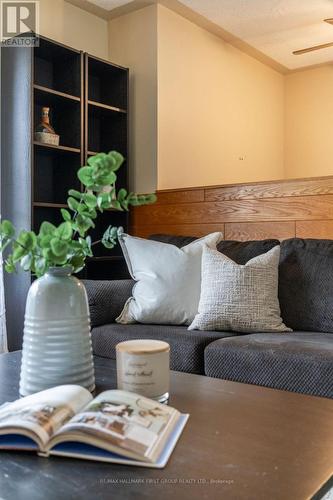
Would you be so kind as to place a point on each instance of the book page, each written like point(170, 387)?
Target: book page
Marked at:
point(42, 414)
point(122, 421)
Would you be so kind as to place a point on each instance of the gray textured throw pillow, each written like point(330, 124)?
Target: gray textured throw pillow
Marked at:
point(242, 298)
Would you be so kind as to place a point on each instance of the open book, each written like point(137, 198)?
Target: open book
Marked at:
point(116, 426)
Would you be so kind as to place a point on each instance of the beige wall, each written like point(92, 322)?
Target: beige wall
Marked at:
point(198, 105)
point(133, 43)
point(308, 123)
point(75, 27)
point(215, 106)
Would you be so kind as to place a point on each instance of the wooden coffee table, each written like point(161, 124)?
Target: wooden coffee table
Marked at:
point(241, 442)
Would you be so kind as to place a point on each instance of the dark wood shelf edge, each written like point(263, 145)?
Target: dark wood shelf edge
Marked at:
point(56, 92)
point(107, 107)
point(42, 204)
point(59, 148)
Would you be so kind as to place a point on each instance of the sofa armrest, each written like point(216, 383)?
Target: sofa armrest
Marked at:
point(107, 299)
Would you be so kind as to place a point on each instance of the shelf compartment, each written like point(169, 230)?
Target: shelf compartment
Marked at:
point(107, 131)
point(58, 68)
point(54, 174)
point(65, 118)
point(107, 83)
point(50, 214)
point(50, 93)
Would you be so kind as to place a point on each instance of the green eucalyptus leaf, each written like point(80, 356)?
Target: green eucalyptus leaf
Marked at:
point(84, 223)
point(18, 252)
point(44, 241)
point(122, 193)
point(53, 259)
point(134, 200)
point(25, 242)
point(77, 262)
point(92, 213)
point(108, 244)
point(7, 229)
point(64, 231)
point(90, 200)
point(151, 198)
point(115, 204)
point(118, 160)
point(10, 266)
point(98, 158)
point(66, 215)
point(72, 203)
point(40, 266)
point(27, 262)
point(58, 247)
point(86, 246)
point(4, 243)
point(104, 200)
point(85, 176)
point(110, 236)
point(46, 228)
point(75, 194)
point(107, 179)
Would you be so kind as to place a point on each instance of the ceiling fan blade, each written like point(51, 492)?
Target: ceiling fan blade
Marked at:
point(310, 49)
point(329, 21)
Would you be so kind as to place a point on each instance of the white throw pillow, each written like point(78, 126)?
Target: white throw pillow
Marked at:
point(239, 298)
point(168, 280)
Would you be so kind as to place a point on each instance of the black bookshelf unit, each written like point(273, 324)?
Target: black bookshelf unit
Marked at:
point(106, 128)
point(88, 101)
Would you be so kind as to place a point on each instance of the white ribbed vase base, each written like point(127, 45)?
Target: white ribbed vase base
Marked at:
point(57, 341)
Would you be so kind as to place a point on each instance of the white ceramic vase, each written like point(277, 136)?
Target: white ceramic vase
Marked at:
point(57, 341)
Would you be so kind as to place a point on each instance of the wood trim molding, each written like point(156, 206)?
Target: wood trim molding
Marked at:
point(258, 210)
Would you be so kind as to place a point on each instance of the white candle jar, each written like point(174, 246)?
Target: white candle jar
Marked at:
point(143, 367)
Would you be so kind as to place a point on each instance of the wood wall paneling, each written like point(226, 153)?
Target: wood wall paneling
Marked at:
point(274, 209)
point(322, 229)
point(178, 230)
point(180, 196)
point(271, 189)
point(277, 209)
point(245, 231)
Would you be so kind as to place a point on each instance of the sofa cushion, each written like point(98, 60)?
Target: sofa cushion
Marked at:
point(243, 251)
point(306, 284)
point(168, 278)
point(298, 361)
point(239, 251)
point(241, 298)
point(187, 348)
point(178, 241)
point(106, 299)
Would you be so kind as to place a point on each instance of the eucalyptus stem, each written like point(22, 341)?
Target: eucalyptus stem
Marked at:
point(59, 245)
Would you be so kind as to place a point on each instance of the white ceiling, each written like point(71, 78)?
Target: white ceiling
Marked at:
point(274, 27)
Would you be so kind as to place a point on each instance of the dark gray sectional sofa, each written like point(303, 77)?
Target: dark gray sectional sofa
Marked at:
point(300, 361)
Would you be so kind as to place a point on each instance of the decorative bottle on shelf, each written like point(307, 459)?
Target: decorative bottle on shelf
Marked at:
point(44, 131)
